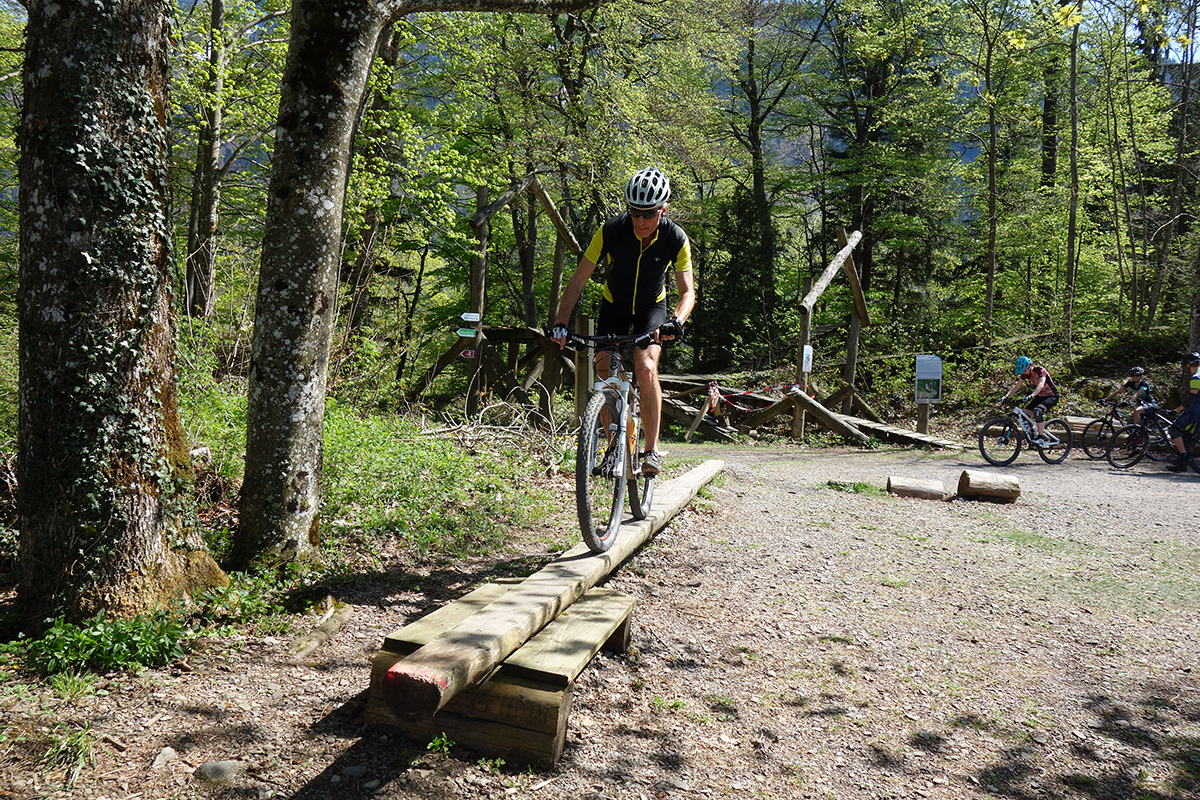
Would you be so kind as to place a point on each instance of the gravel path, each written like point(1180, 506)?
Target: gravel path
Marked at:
point(793, 638)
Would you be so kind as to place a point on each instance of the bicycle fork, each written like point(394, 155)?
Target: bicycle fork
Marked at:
point(612, 465)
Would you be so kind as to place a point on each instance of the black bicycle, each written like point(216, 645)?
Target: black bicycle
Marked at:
point(1151, 439)
point(610, 446)
point(1099, 432)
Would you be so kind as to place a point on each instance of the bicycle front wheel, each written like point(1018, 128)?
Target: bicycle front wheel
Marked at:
point(641, 487)
point(1096, 437)
point(1128, 445)
point(1058, 441)
point(599, 488)
point(1000, 441)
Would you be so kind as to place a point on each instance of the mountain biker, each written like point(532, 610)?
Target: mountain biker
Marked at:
point(1141, 401)
point(1189, 413)
point(1043, 397)
point(638, 248)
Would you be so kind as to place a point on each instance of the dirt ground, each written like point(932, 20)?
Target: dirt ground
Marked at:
point(798, 634)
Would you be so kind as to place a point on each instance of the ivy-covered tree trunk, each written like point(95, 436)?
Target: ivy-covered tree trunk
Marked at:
point(103, 463)
point(329, 58)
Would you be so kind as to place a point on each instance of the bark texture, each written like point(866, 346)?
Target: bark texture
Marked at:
point(332, 46)
point(103, 463)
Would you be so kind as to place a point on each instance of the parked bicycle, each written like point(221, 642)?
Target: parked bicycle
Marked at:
point(1001, 438)
point(1150, 439)
point(1099, 432)
point(610, 447)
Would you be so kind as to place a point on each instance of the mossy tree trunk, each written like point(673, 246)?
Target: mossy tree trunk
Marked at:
point(103, 464)
point(332, 46)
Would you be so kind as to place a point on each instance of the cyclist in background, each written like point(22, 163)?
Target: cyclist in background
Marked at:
point(1140, 387)
point(1189, 413)
point(1043, 397)
point(638, 249)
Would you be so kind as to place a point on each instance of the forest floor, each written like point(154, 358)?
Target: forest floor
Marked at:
point(798, 633)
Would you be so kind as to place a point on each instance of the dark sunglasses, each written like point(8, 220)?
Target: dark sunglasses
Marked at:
point(637, 213)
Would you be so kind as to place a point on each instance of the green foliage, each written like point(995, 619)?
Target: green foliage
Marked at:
point(101, 644)
point(390, 477)
point(247, 597)
point(854, 487)
point(440, 744)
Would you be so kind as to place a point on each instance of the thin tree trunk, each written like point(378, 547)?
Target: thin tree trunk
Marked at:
point(201, 277)
point(1073, 208)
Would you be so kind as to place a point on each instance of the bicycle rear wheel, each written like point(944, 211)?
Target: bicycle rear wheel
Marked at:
point(1058, 445)
point(1128, 445)
point(640, 487)
point(1096, 437)
point(1000, 441)
point(599, 490)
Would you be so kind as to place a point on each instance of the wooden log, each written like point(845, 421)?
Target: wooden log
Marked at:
point(417, 686)
point(768, 413)
point(915, 487)
point(829, 420)
point(974, 484)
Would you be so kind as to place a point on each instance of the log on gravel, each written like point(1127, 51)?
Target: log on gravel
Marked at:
point(420, 684)
point(915, 487)
point(974, 484)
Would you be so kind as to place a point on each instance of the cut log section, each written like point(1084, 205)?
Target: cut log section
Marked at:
point(914, 487)
point(974, 485)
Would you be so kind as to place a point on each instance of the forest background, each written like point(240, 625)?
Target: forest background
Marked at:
point(1023, 175)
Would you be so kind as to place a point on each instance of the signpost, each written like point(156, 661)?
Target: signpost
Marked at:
point(928, 388)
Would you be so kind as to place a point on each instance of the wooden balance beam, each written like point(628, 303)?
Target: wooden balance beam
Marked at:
point(520, 711)
point(418, 685)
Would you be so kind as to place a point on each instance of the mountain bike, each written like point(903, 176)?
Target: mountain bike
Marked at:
point(1000, 438)
point(610, 446)
point(1098, 433)
point(1150, 439)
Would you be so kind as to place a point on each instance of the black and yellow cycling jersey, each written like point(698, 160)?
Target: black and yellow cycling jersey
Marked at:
point(636, 276)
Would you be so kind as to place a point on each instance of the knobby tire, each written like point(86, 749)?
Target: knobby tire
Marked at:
point(1128, 445)
point(1096, 437)
point(641, 487)
point(1000, 441)
point(1056, 453)
point(599, 498)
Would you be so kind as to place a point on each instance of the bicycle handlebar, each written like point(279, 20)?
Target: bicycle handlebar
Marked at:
point(608, 341)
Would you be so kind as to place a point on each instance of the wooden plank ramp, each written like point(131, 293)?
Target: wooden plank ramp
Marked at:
point(890, 433)
point(412, 686)
point(687, 413)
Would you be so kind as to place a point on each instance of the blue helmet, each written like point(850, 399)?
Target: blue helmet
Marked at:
point(1022, 364)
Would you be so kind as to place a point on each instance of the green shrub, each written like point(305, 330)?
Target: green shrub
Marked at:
point(101, 644)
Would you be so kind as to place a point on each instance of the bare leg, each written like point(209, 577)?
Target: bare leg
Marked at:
point(645, 364)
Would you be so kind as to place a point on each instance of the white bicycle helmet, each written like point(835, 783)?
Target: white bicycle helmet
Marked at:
point(648, 188)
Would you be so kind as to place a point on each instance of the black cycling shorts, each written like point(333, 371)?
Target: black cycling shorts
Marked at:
point(624, 321)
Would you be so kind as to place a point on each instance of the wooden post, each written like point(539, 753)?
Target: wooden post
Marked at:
point(806, 311)
point(923, 417)
point(478, 292)
point(850, 368)
point(801, 376)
